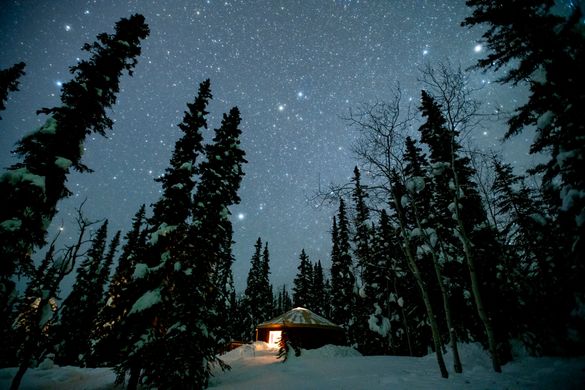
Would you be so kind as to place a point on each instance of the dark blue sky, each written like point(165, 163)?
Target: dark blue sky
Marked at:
point(294, 68)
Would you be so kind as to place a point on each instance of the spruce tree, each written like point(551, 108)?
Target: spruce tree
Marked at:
point(9, 82)
point(544, 49)
point(540, 312)
point(252, 298)
point(342, 277)
point(81, 306)
point(31, 188)
point(320, 298)
point(265, 306)
point(108, 333)
point(400, 309)
point(154, 326)
point(200, 281)
point(302, 284)
point(453, 179)
point(105, 268)
point(368, 309)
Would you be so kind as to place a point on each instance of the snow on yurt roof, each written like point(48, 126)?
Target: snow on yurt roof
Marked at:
point(299, 317)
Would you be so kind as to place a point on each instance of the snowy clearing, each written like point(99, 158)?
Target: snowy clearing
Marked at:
point(331, 367)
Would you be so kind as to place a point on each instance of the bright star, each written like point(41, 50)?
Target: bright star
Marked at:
point(425, 52)
point(67, 27)
point(281, 107)
point(477, 48)
point(300, 94)
point(59, 83)
point(241, 216)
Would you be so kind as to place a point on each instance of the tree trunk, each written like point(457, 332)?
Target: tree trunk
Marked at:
point(15, 384)
point(457, 366)
point(444, 294)
point(487, 323)
point(427, 301)
point(133, 380)
point(405, 323)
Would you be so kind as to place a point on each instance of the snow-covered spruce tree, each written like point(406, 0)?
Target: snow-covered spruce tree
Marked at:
point(401, 315)
point(545, 50)
point(201, 302)
point(369, 340)
point(453, 174)
point(303, 283)
point(101, 283)
point(320, 295)
point(257, 301)
point(9, 82)
point(105, 268)
point(80, 308)
point(342, 277)
point(266, 308)
point(428, 243)
point(251, 299)
point(30, 189)
point(530, 273)
point(165, 266)
point(108, 333)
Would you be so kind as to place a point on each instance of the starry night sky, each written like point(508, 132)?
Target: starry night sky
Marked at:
point(294, 68)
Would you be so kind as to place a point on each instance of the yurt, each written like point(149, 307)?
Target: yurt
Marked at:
point(303, 327)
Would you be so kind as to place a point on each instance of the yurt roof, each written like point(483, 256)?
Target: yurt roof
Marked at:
point(299, 317)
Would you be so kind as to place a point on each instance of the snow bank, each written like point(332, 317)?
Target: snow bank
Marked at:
point(254, 366)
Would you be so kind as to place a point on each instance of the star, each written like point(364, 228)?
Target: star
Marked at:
point(241, 216)
point(67, 27)
point(281, 107)
point(478, 48)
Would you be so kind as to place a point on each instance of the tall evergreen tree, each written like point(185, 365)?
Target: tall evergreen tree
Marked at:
point(545, 50)
point(342, 277)
point(201, 272)
point(121, 295)
point(543, 300)
point(155, 329)
point(252, 299)
point(9, 82)
point(366, 306)
point(266, 308)
point(80, 308)
point(319, 293)
point(105, 268)
point(453, 177)
point(30, 189)
point(303, 283)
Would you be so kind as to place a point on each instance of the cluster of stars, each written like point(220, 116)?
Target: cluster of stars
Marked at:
point(293, 71)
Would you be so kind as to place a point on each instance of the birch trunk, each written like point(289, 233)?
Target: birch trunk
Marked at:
point(425, 295)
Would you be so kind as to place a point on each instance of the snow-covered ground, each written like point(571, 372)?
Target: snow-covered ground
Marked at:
point(256, 367)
